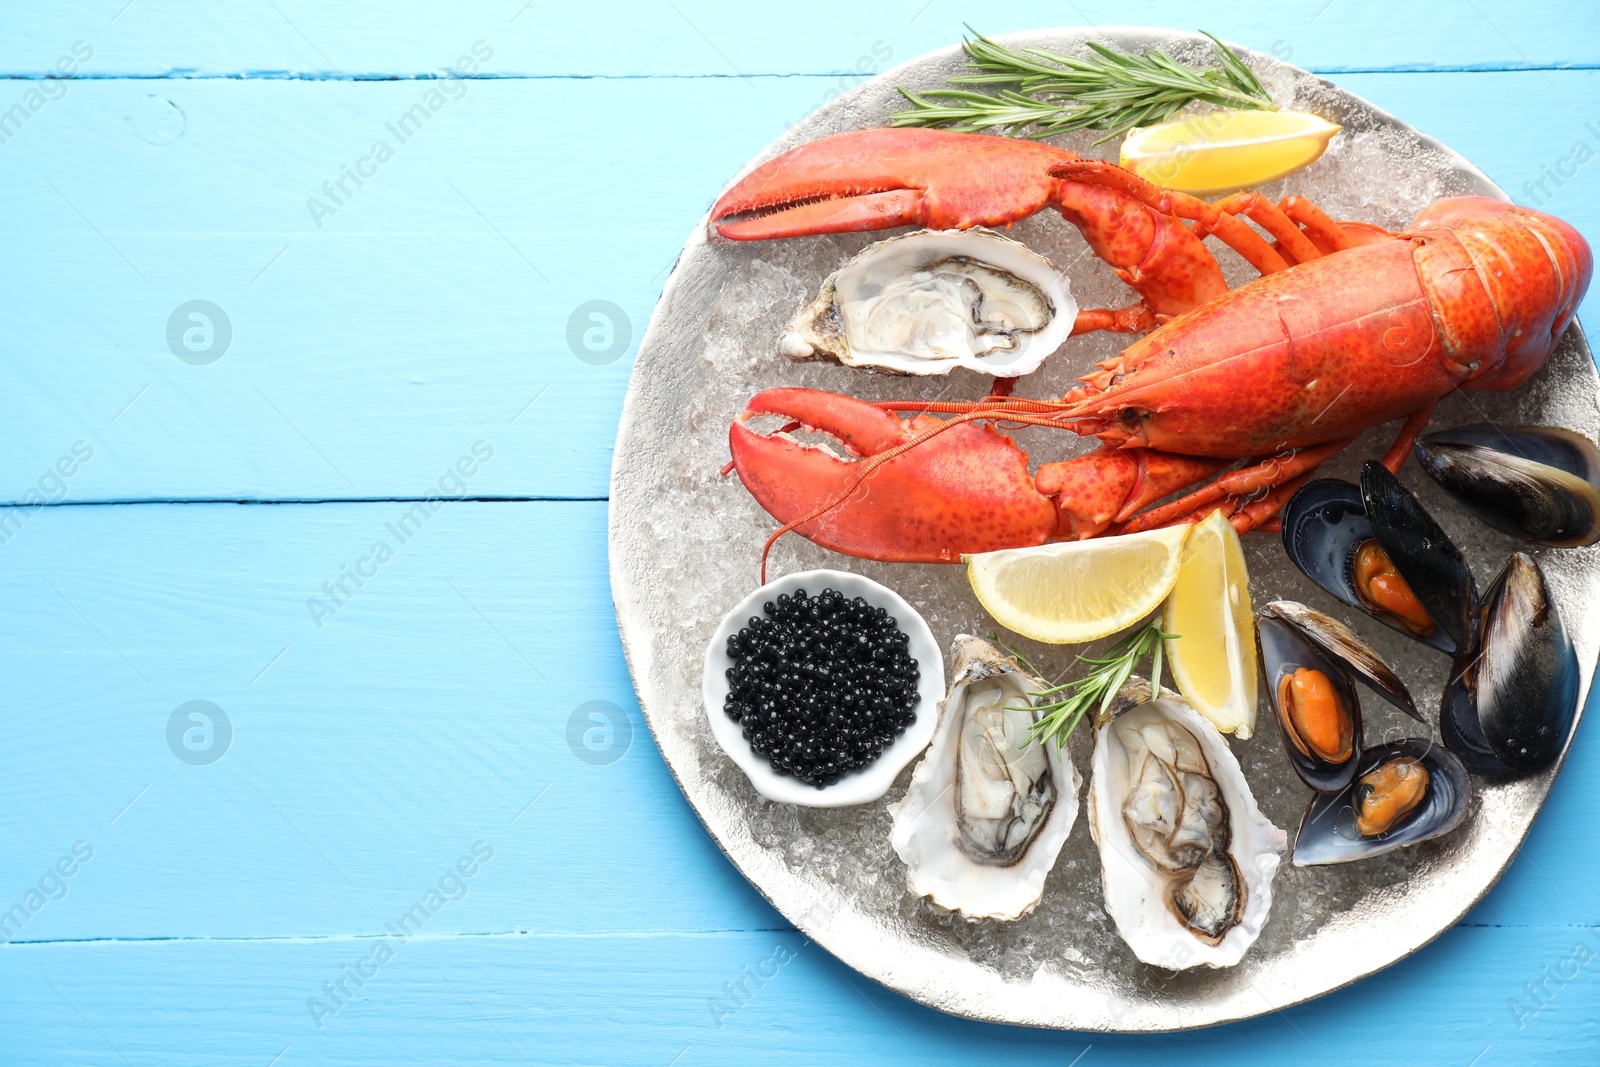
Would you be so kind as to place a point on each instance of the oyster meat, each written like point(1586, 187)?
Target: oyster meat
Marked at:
point(1187, 858)
point(988, 809)
point(927, 302)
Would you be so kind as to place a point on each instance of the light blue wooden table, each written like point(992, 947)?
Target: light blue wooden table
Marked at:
point(418, 846)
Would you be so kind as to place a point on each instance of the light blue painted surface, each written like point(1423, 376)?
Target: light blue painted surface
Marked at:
point(372, 751)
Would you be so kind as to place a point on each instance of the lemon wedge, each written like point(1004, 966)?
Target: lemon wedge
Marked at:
point(1071, 592)
point(1226, 150)
point(1214, 656)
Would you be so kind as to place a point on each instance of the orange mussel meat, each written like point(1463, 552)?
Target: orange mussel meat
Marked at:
point(1316, 721)
point(1380, 586)
point(1388, 793)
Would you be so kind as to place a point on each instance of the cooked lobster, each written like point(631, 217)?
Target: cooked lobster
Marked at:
point(1348, 327)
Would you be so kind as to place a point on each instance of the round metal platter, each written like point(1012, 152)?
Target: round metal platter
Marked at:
point(685, 545)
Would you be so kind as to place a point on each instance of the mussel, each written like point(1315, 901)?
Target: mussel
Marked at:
point(1403, 793)
point(1374, 547)
point(1309, 663)
point(1540, 483)
point(1352, 650)
point(1512, 700)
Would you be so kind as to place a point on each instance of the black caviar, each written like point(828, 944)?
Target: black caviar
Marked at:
point(821, 684)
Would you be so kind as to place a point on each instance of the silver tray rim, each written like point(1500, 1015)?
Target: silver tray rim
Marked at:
point(911, 969)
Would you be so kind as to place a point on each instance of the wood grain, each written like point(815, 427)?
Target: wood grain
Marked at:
point(299, 38)
point(443, 705)
point(431, 310)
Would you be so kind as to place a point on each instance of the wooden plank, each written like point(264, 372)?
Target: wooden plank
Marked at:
point(693, 37)
point(372, 753)
point(666, 999)
point(430, 311)
point(430, 711)
point(425, 714)
point(432, 308)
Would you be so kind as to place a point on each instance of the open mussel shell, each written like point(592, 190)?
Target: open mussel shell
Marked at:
point(1351, 649)
point(1330, 831)
point(1328, 533)
point(1421, 551)
point(1512, 702)
point(1314, 703)
point(1539, 483)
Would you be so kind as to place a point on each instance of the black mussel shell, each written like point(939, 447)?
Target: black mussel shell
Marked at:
point(1285, 649)
point(1458, 721)
point(1328, 831)
point(1422, 552)
point(1511, 705)
point(1351, 649)
point(1539, 483)
point(1324, 525)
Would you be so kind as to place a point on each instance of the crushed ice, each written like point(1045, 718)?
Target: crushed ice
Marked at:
point(707, 534)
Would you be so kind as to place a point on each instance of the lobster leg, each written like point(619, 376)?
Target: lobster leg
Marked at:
point(1247, 482)
point(1280, 476)
point(1415, 423)
point(1233, 233)
point(1302, 230)
point(1293, 244)
point(1263, 514)
point(1326, 234)
point(1135, 318)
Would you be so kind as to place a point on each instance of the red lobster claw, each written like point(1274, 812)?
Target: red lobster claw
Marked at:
point(875, 179)
point(965, 490)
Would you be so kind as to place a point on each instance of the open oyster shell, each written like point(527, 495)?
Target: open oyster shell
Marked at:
point(987, 810)
point(928, 302)
point(1186, 857)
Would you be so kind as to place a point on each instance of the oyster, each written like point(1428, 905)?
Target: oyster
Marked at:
point(988, 809)
point(930, 301)
point(1187, 858)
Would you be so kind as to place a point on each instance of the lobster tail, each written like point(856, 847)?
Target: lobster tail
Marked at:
point(1528, 272)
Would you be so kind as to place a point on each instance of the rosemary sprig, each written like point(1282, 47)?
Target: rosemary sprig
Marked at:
point(1099, 687)
point(1048, 93)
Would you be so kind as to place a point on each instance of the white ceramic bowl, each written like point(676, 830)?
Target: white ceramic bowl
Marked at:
point(871, 781)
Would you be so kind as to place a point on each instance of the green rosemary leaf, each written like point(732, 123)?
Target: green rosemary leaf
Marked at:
point(1045, 93)
point(1155, 667)
point(1242, 74)
point(1097, 688)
